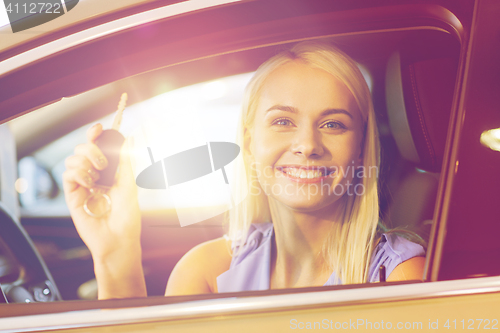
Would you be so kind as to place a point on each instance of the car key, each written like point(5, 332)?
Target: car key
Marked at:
point(110, 143)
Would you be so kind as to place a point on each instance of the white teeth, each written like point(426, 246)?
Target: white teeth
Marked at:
point(300, 173)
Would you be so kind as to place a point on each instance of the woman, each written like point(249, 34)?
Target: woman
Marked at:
point(311, 153)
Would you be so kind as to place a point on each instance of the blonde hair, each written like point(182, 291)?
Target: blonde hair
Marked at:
point(349, 246)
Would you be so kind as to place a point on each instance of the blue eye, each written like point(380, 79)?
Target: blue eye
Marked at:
point(333, 125)
point(282, 122)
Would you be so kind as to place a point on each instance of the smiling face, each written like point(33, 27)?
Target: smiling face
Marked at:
point(305, 142)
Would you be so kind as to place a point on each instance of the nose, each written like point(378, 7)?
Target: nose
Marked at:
point(307, 142)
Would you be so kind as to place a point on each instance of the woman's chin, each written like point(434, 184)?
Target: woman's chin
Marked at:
point(309, 203)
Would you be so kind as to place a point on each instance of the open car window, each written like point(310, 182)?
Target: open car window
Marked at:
point(168, 123)
point(185, 90)
point(164, 124)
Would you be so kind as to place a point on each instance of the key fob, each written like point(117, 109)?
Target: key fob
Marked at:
point(110, 142)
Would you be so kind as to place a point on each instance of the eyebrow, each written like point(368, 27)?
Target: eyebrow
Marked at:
point(294, 110)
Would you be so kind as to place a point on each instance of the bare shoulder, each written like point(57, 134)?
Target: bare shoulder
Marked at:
point(197, 271)
point(411, 269)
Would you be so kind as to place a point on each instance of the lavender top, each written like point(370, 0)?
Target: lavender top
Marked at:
point(250, 270)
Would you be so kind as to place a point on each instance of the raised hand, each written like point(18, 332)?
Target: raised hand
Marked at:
point(113, 239)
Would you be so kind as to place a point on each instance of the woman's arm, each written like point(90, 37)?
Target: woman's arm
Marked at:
point(120, 276)
point(197, 271)
point(411, 269)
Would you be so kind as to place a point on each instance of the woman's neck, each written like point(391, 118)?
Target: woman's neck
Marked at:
point(296, 256)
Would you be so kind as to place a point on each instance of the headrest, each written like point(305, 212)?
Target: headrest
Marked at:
point(8, 171)
point(419, 96)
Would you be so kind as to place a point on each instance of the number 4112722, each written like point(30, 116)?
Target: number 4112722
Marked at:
point(35, 8)
point(470, 324)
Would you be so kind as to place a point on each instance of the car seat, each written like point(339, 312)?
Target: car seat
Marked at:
point(419, 93)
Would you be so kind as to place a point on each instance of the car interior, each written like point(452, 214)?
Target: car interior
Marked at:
point(412, 67)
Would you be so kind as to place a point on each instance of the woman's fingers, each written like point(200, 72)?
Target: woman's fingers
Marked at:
point(81, 162)
point(94, 132)
point(82, 169)
point(80, 177)
point(79, 172)
point(93, 154)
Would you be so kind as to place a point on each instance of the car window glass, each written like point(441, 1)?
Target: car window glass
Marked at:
point(206, 111)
